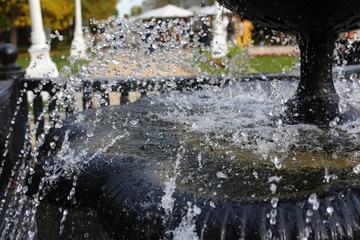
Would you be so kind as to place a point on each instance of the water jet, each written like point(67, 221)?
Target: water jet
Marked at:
point(218, 163)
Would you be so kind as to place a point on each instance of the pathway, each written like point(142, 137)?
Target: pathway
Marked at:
point(274, 51)
point(138, 64)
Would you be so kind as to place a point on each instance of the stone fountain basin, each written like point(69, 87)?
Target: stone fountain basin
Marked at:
point(124, 160)
point(300, 16)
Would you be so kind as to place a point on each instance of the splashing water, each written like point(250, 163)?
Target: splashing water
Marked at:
point(167, 202)
point(223, 133)
point(187, 228)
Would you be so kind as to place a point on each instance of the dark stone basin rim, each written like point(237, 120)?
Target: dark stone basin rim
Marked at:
point(119, 191)
point(120, 202)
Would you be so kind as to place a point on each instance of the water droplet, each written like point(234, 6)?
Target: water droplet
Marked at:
point(199, 158)
point(313, 200)
point(356, 169)
point(221, 175)
point(277, 161)
point(273, 188)
point(353, 77)
point(274, 179)
point(273, 214)
point(274, 202)
point(330, 210)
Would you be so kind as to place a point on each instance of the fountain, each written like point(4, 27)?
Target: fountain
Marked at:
point(218, 163)
point(316, 28)
point(169, 167)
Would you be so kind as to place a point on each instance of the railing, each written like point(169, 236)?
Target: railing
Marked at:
point(100, 89)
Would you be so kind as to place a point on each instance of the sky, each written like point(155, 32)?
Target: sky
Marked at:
point(124, 6)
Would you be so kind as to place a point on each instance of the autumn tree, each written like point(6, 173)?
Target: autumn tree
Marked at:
point(98, 9)
point(161, 3)
point(136, 10)
point(13, 14)
point(57, 15)
point(16, 13)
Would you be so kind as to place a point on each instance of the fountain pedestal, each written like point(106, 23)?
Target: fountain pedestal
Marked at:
point(41, 64)
point(78, 46)
point(316, 100)
point(316, 24)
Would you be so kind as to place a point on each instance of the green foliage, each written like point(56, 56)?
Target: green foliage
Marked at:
point(136, 10)
point(98, 9)
point(271, 64)
point(57, 14)
point(60, 58)
point(14, 13)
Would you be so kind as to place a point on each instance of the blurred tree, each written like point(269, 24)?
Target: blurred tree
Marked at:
point(57, 15)
point(98, 9)
point(13, 14)
point(16, 13)
point(161, 3)
point(136, 10)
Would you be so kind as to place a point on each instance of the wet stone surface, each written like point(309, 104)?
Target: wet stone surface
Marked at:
point(158, 155)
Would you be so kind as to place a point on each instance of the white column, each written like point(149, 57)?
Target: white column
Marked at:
point(78, 47)
point(219, 47)
point(41, 64)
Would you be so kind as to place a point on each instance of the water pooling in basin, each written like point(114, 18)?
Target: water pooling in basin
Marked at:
point(179, 163)
point(237, 126)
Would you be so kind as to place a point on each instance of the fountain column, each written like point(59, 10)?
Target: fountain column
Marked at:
point(316, 100)
point(219, 46)
point(41, 64)
point(78, 47)
point(316, 65)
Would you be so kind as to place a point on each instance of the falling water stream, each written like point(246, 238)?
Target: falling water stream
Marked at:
point(221, 143)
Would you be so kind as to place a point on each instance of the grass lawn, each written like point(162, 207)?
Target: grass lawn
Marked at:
point(59, 57)
point(272, 64)
point(237, 62)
